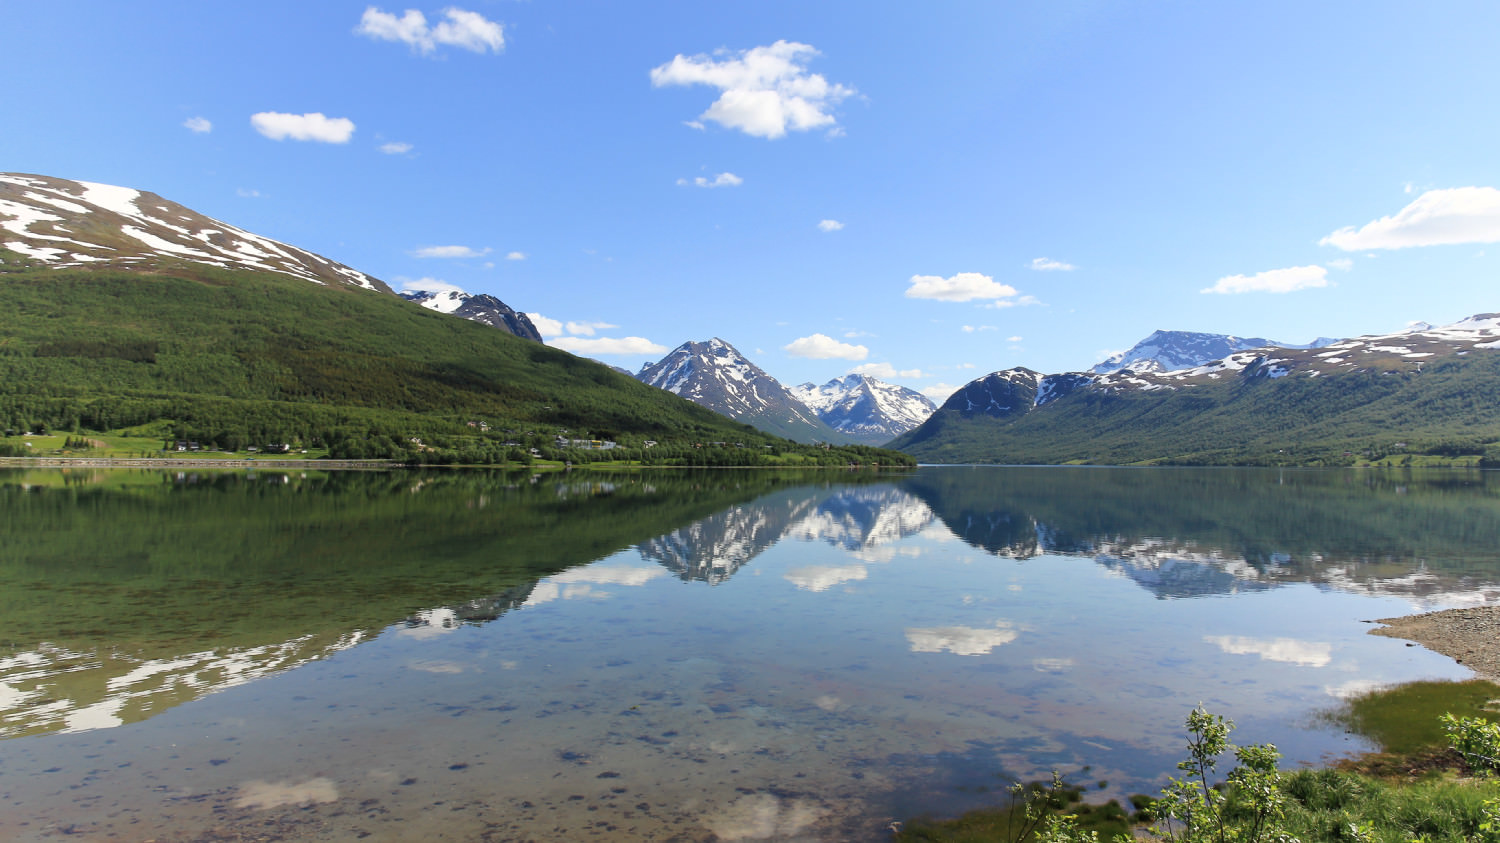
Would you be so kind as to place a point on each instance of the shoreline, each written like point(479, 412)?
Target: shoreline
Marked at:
point(1470, 636)
point(205, 462)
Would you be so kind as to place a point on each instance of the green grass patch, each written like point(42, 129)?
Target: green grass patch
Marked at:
point(1404, 719)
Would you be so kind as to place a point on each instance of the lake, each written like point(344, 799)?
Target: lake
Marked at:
point(731, 655)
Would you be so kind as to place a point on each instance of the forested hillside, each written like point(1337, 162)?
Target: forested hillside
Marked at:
point(232, 357)
point(1448, 407)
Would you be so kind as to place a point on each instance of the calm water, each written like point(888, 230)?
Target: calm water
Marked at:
point(677, 656)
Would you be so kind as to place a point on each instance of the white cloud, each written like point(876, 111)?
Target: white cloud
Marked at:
point(546, 327)
point(765, 91)
point(1353, 688)
point(515, 256)
point(588, 329)
point(969, 329)
point(1344, 264)
point(395, 148)
point(960, 640)
point(546, 591)
point(1290, 650)
point(463, 29)
point(610, 575)
point(1052, 665)
point(965, 286)
point(198, 125)
point(1023, 301)
point(854, 335)
point(606, 346)
point(824, 347)
point(431, 285)
point(830, 225)
point(721, 180)
point(1286, 280)
point(247, 193)
point(939, 392)
point(450, 252)
point(1050, 265)
point(886, 371)
point(824, 577)
point(303, 127)
point(1014, 339)
point(1436, 218)
point(694, 124)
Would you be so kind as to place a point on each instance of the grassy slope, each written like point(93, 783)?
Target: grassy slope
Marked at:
point(1454, 405)
point(199, 353)
point(265, 337)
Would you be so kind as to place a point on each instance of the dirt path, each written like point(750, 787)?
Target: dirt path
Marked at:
point(1469, 636)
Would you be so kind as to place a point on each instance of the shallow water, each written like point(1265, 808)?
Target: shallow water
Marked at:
point(680, 656)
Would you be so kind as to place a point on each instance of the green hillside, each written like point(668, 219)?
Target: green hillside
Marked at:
point(1450, 408)
point(230, 358)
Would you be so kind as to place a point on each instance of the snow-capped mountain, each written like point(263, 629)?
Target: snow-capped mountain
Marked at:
point(1400, 351)
point(60, 223)
point(716, 375)
point(1165, 351)
point(863, 520)
point(869, 410)
point(1019, 390)
point(64, 224)
point(1034, 409)
point(482, 308)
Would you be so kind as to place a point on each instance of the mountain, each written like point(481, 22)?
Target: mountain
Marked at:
point(1190, 533)
point(859, 519)
point(1425, 390)
point(1166, 351)
point(61, 224)
point(126, 312)
point(716, 375)
point(482, 308)
point(865, 408)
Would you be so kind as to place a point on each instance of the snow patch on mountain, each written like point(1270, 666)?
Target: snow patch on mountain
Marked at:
point(482, 308)
point(101, 223)
point(1167, 351)
point(716, 375)
point(868, 409)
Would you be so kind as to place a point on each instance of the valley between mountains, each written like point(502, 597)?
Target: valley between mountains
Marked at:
point(131, 313)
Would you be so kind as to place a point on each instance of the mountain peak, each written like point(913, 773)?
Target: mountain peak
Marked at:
point(866, 408)
point(62, 223)
point(1168, 351)
point(482, 308)
point(716, 375)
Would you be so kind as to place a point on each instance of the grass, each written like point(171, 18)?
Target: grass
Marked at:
point(1403, 720)
point(124, 446)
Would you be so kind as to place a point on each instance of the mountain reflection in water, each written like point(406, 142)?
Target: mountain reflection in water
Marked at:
point(749, 654)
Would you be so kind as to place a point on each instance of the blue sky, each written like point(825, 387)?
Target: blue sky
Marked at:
point(928, 191)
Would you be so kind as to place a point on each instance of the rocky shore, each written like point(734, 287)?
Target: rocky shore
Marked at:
point(1470, 636)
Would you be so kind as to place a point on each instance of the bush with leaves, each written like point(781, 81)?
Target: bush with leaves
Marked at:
point(1476, 739)
point(1249, 808)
